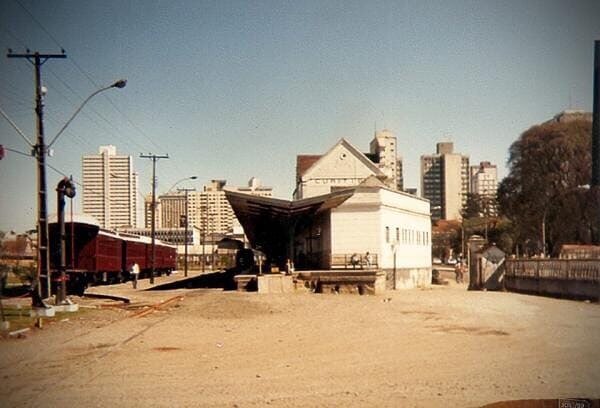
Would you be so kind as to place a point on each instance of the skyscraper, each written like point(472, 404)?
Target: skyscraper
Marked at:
point(110, 188)
point(445, 181)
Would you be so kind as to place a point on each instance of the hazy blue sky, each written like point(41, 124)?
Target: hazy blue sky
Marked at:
point(232, 90)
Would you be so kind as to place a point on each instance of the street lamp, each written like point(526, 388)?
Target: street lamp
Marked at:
point(40, 150)
point(119, 84)
point(179, 181)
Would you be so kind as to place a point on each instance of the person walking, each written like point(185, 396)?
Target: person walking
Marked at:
point(134, 272)
point(458, 271)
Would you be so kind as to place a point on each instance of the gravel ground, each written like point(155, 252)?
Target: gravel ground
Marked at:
point(432, 347)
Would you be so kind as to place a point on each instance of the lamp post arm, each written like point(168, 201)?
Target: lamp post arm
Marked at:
point(119, 84)
point(76, 112)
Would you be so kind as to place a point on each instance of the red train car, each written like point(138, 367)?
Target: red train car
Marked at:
point(95, 255)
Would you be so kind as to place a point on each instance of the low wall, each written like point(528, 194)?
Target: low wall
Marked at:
point(569, 278)
point(350, 281)
point(408, 278)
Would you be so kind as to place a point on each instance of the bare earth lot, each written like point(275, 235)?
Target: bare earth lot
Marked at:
point(437, 347)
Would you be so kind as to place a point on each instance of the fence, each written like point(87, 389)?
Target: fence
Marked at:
point(576, 278)
point(353, 261)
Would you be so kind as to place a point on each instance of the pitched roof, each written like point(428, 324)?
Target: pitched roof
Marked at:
point(305, 162)
point(353, 150)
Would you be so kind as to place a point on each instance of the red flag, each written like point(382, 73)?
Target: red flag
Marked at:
point(1, 152)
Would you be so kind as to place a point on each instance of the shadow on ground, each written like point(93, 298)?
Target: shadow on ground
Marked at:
point(215, 280)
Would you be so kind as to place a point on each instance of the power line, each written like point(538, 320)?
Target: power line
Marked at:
point(89, 78)
point(39, 24)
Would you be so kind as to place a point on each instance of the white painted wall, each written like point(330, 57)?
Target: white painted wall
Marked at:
point(412, 218)
point(359, 225)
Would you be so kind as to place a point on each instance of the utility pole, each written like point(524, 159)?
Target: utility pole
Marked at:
point(40, 150)
point(204, 229)
point(185, 256)
point(595, 184)
point(154, 158)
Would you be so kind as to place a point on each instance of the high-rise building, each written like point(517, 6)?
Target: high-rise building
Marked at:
point(383, 147)
point(172, 209)
point(445, 181)
point(110, 188)
point(484, 183)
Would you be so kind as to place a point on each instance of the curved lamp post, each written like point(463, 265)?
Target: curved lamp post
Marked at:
point(179, 181)
point(119, 84)
point(42, 210)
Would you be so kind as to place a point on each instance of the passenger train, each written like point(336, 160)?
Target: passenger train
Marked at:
point(98, 256)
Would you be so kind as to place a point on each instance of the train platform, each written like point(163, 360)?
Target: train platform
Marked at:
point(144, 287)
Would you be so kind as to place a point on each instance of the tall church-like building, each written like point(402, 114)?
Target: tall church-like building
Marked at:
point(110, 188)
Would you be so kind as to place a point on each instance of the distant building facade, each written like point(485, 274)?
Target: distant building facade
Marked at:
point(110, 188)
point(445, 181)
point(384, 148)
point(208, 210)
point(484, 183)
point(346, 166)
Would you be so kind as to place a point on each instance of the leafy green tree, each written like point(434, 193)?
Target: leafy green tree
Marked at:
point(548, 164)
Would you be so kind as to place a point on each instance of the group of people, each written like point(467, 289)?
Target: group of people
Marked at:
point(355, 260)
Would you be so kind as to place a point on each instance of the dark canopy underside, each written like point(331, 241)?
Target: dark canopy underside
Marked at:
point(271, 224)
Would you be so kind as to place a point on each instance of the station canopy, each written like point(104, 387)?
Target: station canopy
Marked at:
point(271, 223)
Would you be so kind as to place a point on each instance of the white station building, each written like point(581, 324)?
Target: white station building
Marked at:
point(354, 221)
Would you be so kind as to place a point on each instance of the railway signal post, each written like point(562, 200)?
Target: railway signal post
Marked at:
point(65, 187)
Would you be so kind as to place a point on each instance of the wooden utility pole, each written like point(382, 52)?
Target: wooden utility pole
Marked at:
point(40, 150)
point(154, 158)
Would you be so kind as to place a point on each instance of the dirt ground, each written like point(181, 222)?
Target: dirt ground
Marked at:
point(443, 346)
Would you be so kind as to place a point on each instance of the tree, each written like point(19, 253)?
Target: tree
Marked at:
point(473, 207)
point(548, 164)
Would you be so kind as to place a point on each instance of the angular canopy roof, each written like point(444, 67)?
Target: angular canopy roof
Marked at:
point(270, 223)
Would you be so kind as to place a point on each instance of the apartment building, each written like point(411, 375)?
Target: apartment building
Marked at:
point(110, 188)
point(445, 181)
point(484, 183)
point(208, 209)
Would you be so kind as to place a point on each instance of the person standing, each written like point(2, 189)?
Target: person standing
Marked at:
point(134, 272)
point(368, 260)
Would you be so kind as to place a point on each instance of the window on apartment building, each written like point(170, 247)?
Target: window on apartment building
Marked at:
point(397, 234)
point(387, 234)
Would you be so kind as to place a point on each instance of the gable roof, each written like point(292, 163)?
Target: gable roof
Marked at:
point(305, 162)
point(354, 151)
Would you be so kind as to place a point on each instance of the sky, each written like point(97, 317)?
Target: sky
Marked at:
point(231, 90)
